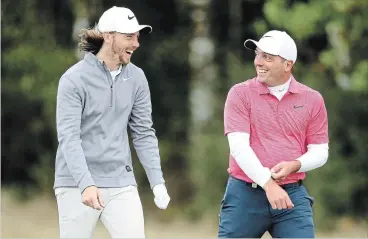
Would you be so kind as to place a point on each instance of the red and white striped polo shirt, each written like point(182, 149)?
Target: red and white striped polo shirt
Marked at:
point(279, 130)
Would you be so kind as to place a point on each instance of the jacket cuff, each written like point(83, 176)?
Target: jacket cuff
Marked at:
point(155, 177)
point(85, 182)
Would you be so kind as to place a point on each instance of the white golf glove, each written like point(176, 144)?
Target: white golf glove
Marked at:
point(162, 198)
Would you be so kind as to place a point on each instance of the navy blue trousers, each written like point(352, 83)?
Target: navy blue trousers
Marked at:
point(246, 213)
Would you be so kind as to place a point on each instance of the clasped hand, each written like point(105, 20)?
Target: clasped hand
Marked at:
point(277, 196)
point(281, 170)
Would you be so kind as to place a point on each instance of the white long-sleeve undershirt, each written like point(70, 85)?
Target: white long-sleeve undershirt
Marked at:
point(315, 157)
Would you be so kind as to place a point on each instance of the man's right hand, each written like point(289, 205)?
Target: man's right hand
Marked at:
point(277, 196)
point(91, 197)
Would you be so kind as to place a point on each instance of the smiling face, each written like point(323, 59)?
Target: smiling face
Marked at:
point(121, 46)
point(124, 45)
point(271, 70)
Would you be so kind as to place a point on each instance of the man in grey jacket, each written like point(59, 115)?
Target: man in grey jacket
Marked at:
point(98, 98)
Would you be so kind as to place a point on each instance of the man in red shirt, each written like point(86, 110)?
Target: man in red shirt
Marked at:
point(277, 130)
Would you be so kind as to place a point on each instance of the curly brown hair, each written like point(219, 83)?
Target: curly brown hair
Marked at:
point(90, 40)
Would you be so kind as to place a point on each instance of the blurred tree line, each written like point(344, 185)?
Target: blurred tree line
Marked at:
point(191, 59)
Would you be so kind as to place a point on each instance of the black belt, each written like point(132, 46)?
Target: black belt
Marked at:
point(298, 183)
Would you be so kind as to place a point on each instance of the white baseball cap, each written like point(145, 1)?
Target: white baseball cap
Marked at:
point(119, 19)
point(277, 43)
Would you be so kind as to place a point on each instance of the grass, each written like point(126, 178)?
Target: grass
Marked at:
point(38, 218)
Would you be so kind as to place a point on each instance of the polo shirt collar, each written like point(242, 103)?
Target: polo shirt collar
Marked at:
point(293, 87)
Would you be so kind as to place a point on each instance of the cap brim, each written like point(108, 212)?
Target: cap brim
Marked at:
point(136, 29)
point(267, 48)
point(148, 27)
point(251, 44)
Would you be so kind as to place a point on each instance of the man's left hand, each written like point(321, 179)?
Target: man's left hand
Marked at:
point(281, 170)
point(162, 198)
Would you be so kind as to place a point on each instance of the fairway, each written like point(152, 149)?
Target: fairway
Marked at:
point(38, 219)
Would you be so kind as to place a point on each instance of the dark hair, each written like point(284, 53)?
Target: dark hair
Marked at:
point(90, 40)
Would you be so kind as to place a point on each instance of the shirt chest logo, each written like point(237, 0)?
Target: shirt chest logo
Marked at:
point(298, 106)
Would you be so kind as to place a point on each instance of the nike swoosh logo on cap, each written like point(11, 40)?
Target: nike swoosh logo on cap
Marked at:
point(130, 18)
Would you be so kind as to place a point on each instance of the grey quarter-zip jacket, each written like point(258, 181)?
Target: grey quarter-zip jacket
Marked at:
point(93, 114)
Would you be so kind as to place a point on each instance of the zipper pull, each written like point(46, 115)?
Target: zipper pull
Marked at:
point(111, 95)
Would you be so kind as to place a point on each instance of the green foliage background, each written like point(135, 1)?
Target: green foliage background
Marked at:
point(332, 38)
